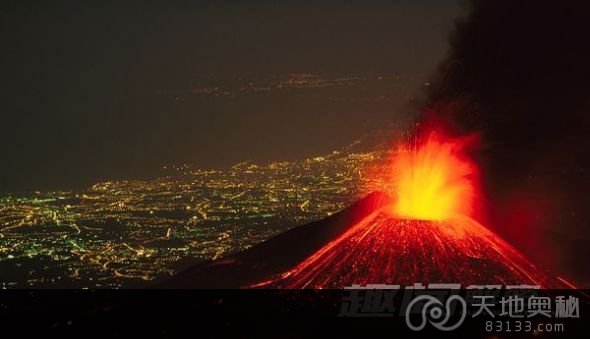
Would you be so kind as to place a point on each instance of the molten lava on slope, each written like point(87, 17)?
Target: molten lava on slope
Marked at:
point(428, 235)
point(383, 249)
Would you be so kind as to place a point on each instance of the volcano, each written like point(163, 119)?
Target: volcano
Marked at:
point(423, 230)
point(383, 249)
point(367, 244)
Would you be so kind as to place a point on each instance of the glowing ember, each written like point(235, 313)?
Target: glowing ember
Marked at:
point(436, 181)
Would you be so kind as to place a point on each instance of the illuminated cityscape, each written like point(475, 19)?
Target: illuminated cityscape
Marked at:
point(127, 233)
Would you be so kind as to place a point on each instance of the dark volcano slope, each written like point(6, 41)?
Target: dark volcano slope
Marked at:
point(275, 255)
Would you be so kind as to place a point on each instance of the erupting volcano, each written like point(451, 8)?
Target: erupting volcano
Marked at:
point(424, 228)
point(429, 233)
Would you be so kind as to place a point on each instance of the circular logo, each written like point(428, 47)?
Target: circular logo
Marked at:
point(434, 313)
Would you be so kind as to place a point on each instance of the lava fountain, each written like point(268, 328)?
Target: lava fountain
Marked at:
point(434, 181)
point(429, 234)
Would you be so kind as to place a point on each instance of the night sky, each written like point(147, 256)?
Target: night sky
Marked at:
point(103, 91)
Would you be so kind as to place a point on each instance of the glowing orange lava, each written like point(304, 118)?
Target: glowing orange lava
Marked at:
point(429, 234)
point(433, 181)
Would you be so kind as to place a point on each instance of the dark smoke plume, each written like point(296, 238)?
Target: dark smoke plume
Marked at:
point(518, 73)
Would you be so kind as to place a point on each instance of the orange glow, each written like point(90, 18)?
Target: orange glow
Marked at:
point(428, 233)
point(433, 181)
